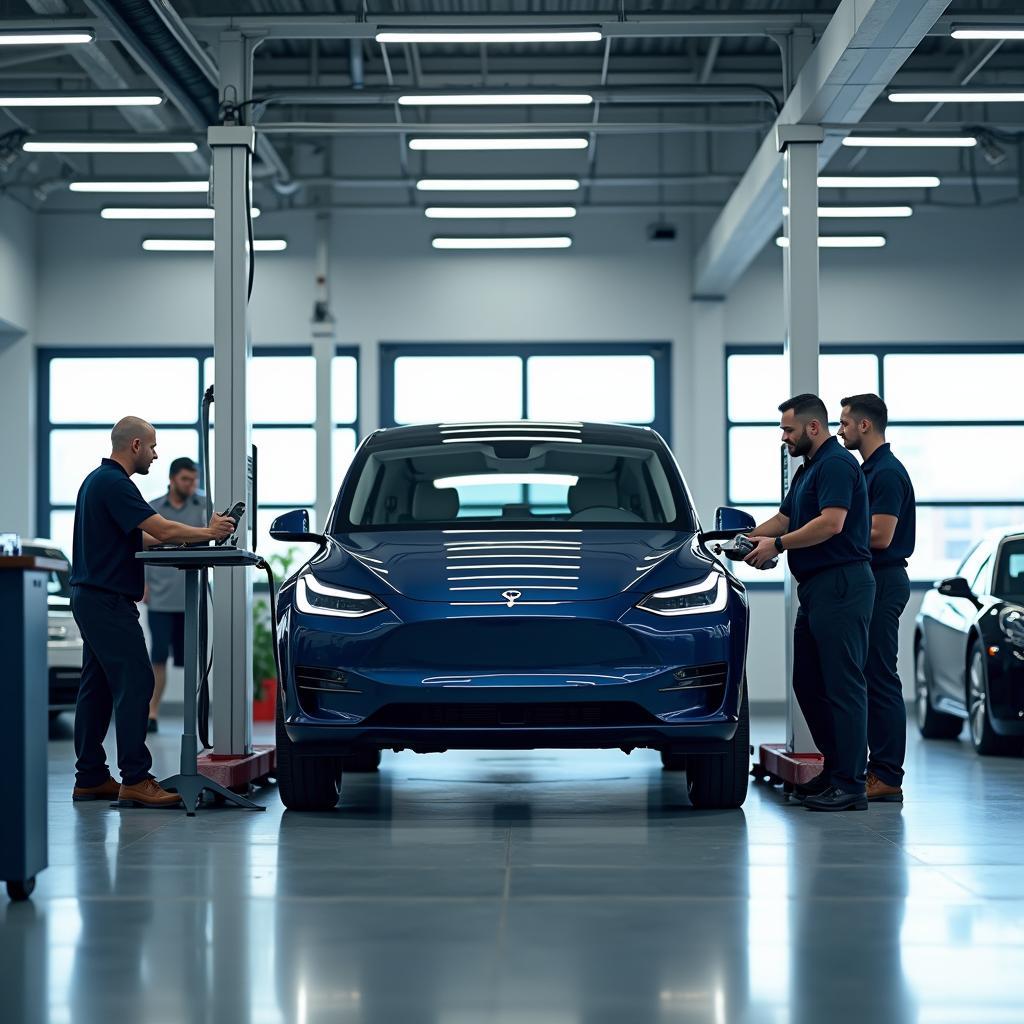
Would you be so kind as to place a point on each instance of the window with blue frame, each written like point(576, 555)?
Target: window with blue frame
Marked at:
point(82, 392)
point(956, 420)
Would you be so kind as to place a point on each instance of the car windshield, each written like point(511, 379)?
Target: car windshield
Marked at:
point(1009, 577)
point(514, 483)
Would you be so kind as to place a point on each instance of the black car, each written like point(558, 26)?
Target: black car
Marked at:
point(969, 649)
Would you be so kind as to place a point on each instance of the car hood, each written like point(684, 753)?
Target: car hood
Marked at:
point(471, 565)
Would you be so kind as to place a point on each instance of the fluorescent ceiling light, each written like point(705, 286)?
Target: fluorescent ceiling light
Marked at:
point(109, 147)
point(491, 36)
point(879, 181)
point(139, 186)
point(841, 242)
point(475, 212)
point(487, 479)
point(84, 99)
point(55, 37)
point(161, 213)
point(860, 211)
point(555, 242)
point(911, 141)
point(497, 184)
point(483, 99)
point(959, 96)
point(206, 245)
point(474, 145)
point(988, 33)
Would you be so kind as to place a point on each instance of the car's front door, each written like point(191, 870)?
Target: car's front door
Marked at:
point(956, 616)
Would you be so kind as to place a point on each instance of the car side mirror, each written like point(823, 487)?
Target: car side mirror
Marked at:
point(957, 586)
point(729, 523)
point(294, 526)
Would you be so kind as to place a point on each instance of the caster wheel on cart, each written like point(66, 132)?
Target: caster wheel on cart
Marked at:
point(21, 890)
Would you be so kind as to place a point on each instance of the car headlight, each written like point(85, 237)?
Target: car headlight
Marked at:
point(709, 595)
point(1011, 622)
point(316, 598)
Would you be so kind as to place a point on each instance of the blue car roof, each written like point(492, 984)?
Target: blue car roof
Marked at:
point(435, 433)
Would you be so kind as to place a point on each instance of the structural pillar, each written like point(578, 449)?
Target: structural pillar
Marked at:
point(324, 342)
point(799, 144)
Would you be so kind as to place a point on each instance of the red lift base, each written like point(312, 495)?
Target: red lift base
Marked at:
point(236, 772)
point(777, 765)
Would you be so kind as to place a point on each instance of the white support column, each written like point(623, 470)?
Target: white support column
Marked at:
point(799, 143)
point(324, 341)
point(232, 146)
point(706, 461)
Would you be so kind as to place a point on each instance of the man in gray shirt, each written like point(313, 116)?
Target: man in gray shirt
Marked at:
point(165, 588)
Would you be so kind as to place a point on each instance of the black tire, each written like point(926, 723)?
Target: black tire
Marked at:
point(364, 761)
point(985, 739)
point(932, 724)
point(673, 762)
point(721, 782)
point(20, 890)
point(305, 783)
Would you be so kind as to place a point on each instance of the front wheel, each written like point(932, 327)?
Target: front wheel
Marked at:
point(364, 761)
point(932, 724)
point(984, 738)
point(305, 783)
point(721, 782)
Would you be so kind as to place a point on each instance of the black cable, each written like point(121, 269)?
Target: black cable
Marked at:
point(265, 565)
point(248, 223)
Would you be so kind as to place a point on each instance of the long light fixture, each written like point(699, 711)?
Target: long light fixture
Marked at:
point(206, 245)
point(506, 479)
point(484, 99)
point(569, 35)
point(100, 146)
point(910, 141)
point(870, 212)
point(81, 99)
point(841, 241)
point(485, 212)
point(498, 184)
point(46, 37)
point(879, 181)
point(959, 96)
point(139, 186)
point(987, 33)
point(550, 242)
point(489, 145)
point(161, 213)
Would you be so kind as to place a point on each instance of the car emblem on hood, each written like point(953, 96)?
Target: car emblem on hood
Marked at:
point(511, 596)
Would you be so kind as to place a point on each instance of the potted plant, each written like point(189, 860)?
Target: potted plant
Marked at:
point(264, 670)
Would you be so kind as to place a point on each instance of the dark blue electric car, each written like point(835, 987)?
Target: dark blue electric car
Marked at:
point(512, 585)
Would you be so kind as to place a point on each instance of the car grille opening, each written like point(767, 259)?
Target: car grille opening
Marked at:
point(698, 677)
point(510, 715)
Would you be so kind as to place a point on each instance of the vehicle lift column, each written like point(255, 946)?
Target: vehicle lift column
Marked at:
point(797, 760)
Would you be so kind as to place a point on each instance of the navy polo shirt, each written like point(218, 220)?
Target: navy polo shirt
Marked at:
point(831, 479)
point(891, 493)
point(108, 512)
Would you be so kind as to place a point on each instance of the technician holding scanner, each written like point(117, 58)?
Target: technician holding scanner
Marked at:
point(824, 525)
point(112, 523)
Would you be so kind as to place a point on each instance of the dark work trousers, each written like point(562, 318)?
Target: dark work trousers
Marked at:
point(830, 647)
point(887, 711)
point(117, 678)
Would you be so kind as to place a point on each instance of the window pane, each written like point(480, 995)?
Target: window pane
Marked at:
point(758, 383)
point(755, 464)
point(282, 389)
point(287, 465)
point(343, 389)
point(619, 389)
point(945, 535)
point(265, 545)
point(962, 463)
point(434, 389)
point(76, 453)
point(964, 386)
point(342, 449)
point(62, 528)
point(103, 390)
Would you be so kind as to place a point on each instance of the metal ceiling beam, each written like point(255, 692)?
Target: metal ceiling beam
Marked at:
point(865, 44)
point(517, 128)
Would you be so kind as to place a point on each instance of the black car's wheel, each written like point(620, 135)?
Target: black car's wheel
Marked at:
point(932, 724)
point(985, 739)
point(673, 762)
point(721, 782)
point(305, 783)
point(364, 761)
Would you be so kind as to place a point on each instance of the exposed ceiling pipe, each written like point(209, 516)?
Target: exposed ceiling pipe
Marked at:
point(355, 62)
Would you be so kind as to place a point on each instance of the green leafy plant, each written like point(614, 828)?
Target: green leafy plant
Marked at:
point(263, 630)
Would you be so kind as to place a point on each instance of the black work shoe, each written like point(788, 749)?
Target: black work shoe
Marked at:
point(836, 799)
point(152, 727)
point(817, 786)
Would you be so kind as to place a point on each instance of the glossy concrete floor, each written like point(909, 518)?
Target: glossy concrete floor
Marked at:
point(531, 888)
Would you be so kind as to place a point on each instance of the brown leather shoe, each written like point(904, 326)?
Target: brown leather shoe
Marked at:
point(147, 793)
point(108, 791)
point(881, 792)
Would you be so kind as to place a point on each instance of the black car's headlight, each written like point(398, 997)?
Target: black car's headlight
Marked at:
point(708, 595)
point(1011, 622)
point(316, 598)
